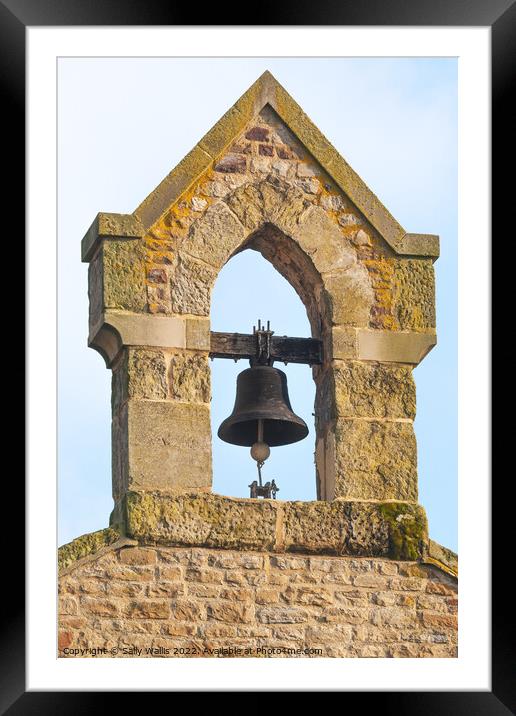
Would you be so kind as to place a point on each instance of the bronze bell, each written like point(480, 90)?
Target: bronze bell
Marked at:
point(262, 410)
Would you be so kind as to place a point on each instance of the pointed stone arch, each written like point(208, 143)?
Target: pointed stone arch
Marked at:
point(299, 239)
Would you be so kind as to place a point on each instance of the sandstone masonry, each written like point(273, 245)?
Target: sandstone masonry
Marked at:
point(194, 602)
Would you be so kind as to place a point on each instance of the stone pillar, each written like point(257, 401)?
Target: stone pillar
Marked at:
point(366, 447)
point(161, 431)
point(375, 454)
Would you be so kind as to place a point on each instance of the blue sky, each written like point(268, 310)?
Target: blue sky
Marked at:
point(124, 123)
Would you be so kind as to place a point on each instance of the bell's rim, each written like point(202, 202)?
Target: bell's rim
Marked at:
point(296, 425)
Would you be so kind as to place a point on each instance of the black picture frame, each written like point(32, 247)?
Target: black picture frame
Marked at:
point(500, 15)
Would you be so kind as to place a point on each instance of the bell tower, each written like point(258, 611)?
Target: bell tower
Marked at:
point(264, 177)
point(182, 571)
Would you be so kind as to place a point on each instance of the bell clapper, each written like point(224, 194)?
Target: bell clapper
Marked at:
point(260, 451)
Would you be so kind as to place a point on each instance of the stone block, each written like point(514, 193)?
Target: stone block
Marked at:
point(265, 150)
point(230, 612)
point(322, 240)
point(258, 134)
point(169, 446)
point(198, 334)
point(374, 390)
point(191, 286)
point(246, 204)
point(350, 296)
point(314, 526)
point(138, 556)
point(394, 346)
point(146, 609)
point(85, 545)
point(444, 557)
point(414, 294)
point(232, 163)
point(67, 606)
point(124, 276)
point(95, 290)
point(190, 378)
point(110, 226)
point(147, 374)
point(215, 236)
point(344, 342)
point(202, 520)
point(140, 373)
point(375, 460)
point(119, 455)
point(100, 607)
point(420, 245)
point(282, 615)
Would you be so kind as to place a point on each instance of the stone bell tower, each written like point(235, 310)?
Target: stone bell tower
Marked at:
point(265, 178)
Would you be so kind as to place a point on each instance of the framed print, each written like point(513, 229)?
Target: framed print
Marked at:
point(190, 557)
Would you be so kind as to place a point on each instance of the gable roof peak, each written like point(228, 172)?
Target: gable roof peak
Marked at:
point(267, 90)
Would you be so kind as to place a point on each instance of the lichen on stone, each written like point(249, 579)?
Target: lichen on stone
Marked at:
point(442, 557)
point(85, 545)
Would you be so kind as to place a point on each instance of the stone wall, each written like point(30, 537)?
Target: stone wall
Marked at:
point(184, 602)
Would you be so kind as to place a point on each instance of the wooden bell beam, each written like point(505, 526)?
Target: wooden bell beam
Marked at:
point(282, 348)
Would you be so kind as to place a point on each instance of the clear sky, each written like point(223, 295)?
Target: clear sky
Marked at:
point(123, 124)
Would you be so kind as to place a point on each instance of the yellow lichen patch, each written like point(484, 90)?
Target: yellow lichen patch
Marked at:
point(441, 565)
point(85, 545)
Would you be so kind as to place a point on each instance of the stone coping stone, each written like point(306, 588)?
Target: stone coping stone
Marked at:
point(442, 557)
point(396, 530)
point(109, 226)
point(85, 546)
point(341, 527)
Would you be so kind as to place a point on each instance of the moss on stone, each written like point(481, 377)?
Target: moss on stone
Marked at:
point(85, 545)
point(408, 530)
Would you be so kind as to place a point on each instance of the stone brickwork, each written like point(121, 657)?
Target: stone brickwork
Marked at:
point(186, 602)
